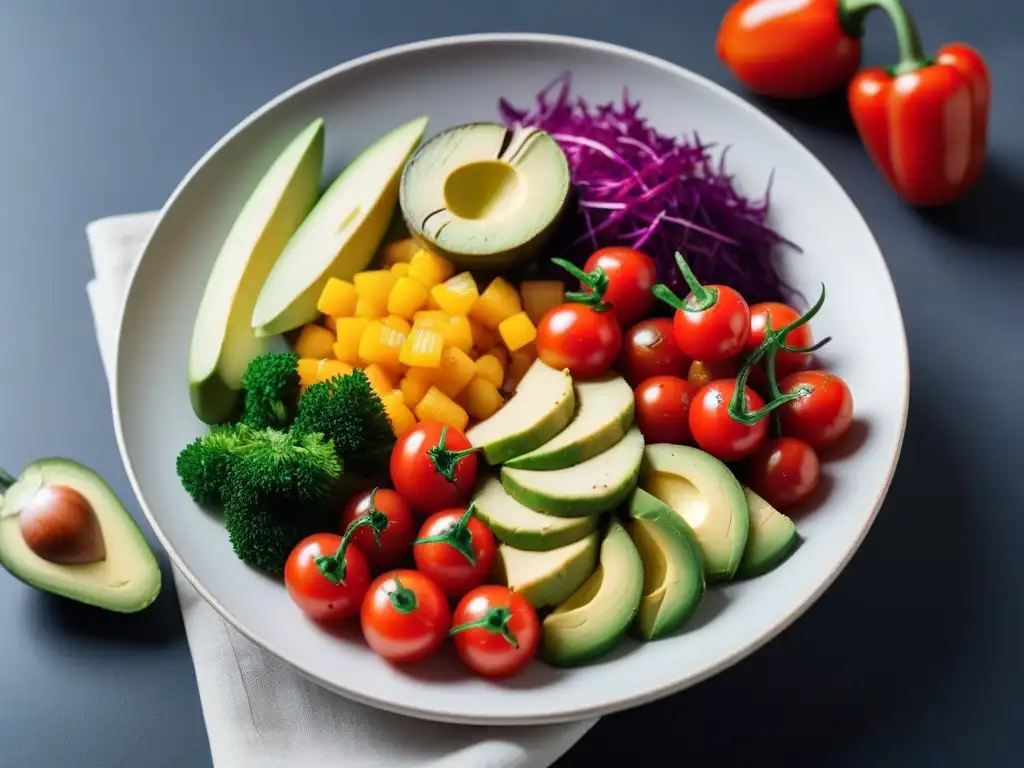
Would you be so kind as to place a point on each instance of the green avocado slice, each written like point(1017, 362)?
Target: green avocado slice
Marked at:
point(772, 537)
point(545, 579)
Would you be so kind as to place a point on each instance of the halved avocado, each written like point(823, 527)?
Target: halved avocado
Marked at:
point(772, 537)
point(706, 494)
point(591, 487)
point(546, 579)
point(593, 620)
point(223, 341)
point(486, 196)
point(673, 573)
point(541, 407)
point(520, 526)
point(63, 530)
point(340, 235)
point(604, 411)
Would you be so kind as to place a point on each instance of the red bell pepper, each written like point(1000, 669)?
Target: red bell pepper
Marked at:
point(924, 121)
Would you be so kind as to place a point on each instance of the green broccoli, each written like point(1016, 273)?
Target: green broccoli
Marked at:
point(271, 385)
point(261, 537)
point(346, 411)
point(203, 464)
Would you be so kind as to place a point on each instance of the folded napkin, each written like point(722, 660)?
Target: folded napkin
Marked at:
point(258, 713)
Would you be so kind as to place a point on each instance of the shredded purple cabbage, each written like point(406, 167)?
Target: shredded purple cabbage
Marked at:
point(660, 194)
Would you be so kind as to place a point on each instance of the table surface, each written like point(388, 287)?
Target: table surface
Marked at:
point(912, 658)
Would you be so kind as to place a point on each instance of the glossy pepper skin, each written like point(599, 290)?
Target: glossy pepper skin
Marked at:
point(924, 121)
point(794, 49)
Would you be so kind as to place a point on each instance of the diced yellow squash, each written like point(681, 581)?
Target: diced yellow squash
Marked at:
point(349, 331)
point(539, 296)
point(407, 297)
point(402, 419)
point(489, 368)
point(456, 295)
point(400, 269)
point(498, 301)
point(398, 323)
point(314, 341)
point(430, 318)
point(328, 369)
point(432, 303)
point(372, 289)
point(519, 364)
point(338, 298)
point(400, 251)
point(480, 398)
point(415, 383)
point(437, 406)
point(458, 333)
point(429, 268)
point(422, 348)
point(456, 370)
point(380, 343)
point(307, 368)
point(370, 311)
point(501, 354)
point(483, 339)
point(378, 378)
point(394, 372)
point(517, 331)
point(330, 323)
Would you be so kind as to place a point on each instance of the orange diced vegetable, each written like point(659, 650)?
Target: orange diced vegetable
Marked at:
point(307, 369)
point(432, 303)
point(398, 323)
point(402, 419)
point(457, 294)
point(380, 343)
point(458, 333)
point(501, 354)
point(349, 331)
point(429, 268)
point(498, 301)
point(541, 295)
point(338, 298)
point(369, 311)
point(437, 406)
point(400, 269)
point(483, 339)
point(517, 331)
point(407, 297)
point(430, 318)
point(314, 341)
point(328, 369)
point(457, 369)
point(422, 348)
point(490, 369)
point(400, 251)
point(480, 398)
point(372, 288)
point(330, 323)
point(378, 378)
point(415, 383)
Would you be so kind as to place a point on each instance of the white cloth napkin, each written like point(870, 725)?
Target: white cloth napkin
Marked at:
point(258, 713)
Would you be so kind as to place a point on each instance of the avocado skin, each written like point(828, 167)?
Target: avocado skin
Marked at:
point(568, 507)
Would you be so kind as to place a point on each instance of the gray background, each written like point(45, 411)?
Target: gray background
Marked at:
point(912, 658)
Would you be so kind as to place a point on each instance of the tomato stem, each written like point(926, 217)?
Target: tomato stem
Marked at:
point(704, 297)
point(595, 282)
point(333, 566)
point(457, 536)
point(6, 480)
point(853, 13)
point(402, 598)
point(445, 461)
point(378, 520)
point(494, 621)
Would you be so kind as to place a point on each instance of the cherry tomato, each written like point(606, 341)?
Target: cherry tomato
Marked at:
point(326, 587)
point(663, 409)
point(455, 549)
point(395, 540)
point(784, 471)
point(717, 432)
point(433, 466)
point(649, 349)
point(405, 616)
point(631, 275)
point(781, 314)
point(579, 337)
point(822, 416)
point(496, 631)
point(702, 373)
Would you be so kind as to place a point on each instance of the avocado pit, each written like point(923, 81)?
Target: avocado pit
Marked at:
point(59, 525)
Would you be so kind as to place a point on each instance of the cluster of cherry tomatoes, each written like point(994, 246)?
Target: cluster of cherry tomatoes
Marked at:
point(403, 556)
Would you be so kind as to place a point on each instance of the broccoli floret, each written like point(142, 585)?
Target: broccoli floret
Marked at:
point(203, 464)
point(348, 412)
point(263, 538)
point(271, 384)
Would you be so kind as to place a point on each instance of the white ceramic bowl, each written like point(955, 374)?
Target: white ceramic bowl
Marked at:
point(458, 80)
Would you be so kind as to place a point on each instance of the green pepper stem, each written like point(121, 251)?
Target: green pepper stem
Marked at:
point(852, 14)
point(6, 480)
point(402, 598)
point(494, 621)
point(457, 536)
point(333, 566)
point(704, 297)
point(444, 460)
point(595, 282)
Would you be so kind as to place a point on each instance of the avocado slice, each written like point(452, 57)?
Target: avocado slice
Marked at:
point(546, 579)
point(673, 573)
point(593, 620)
point(520, 526)
point(604, 411)
point(541, 407)
point(223, 341)
point(486, 196)
point(706, 494)
point(63, 530)
point(591, 487)
point(341, 234)
point(772, 537)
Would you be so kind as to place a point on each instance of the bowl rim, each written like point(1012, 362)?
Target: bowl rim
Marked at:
point(583, 712)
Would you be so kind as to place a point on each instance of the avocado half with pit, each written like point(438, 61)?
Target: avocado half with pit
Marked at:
point(63, 530)
point(485, 196)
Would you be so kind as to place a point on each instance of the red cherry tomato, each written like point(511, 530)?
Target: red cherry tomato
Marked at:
point(326, 587)
point(801, 337)
point(821, 417)
point(433, 466)
point(395, 540)
point(784, 471)
point(631, 275)
point(405, 616)
point(455, 549)
point(649, 349)
point(717, 432)
point(496, 631)
point(579, 337)
point(663, 409)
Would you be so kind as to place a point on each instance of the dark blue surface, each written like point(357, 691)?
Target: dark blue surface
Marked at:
point(913, 658)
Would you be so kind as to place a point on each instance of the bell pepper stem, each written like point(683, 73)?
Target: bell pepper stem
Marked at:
point(852, 14)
